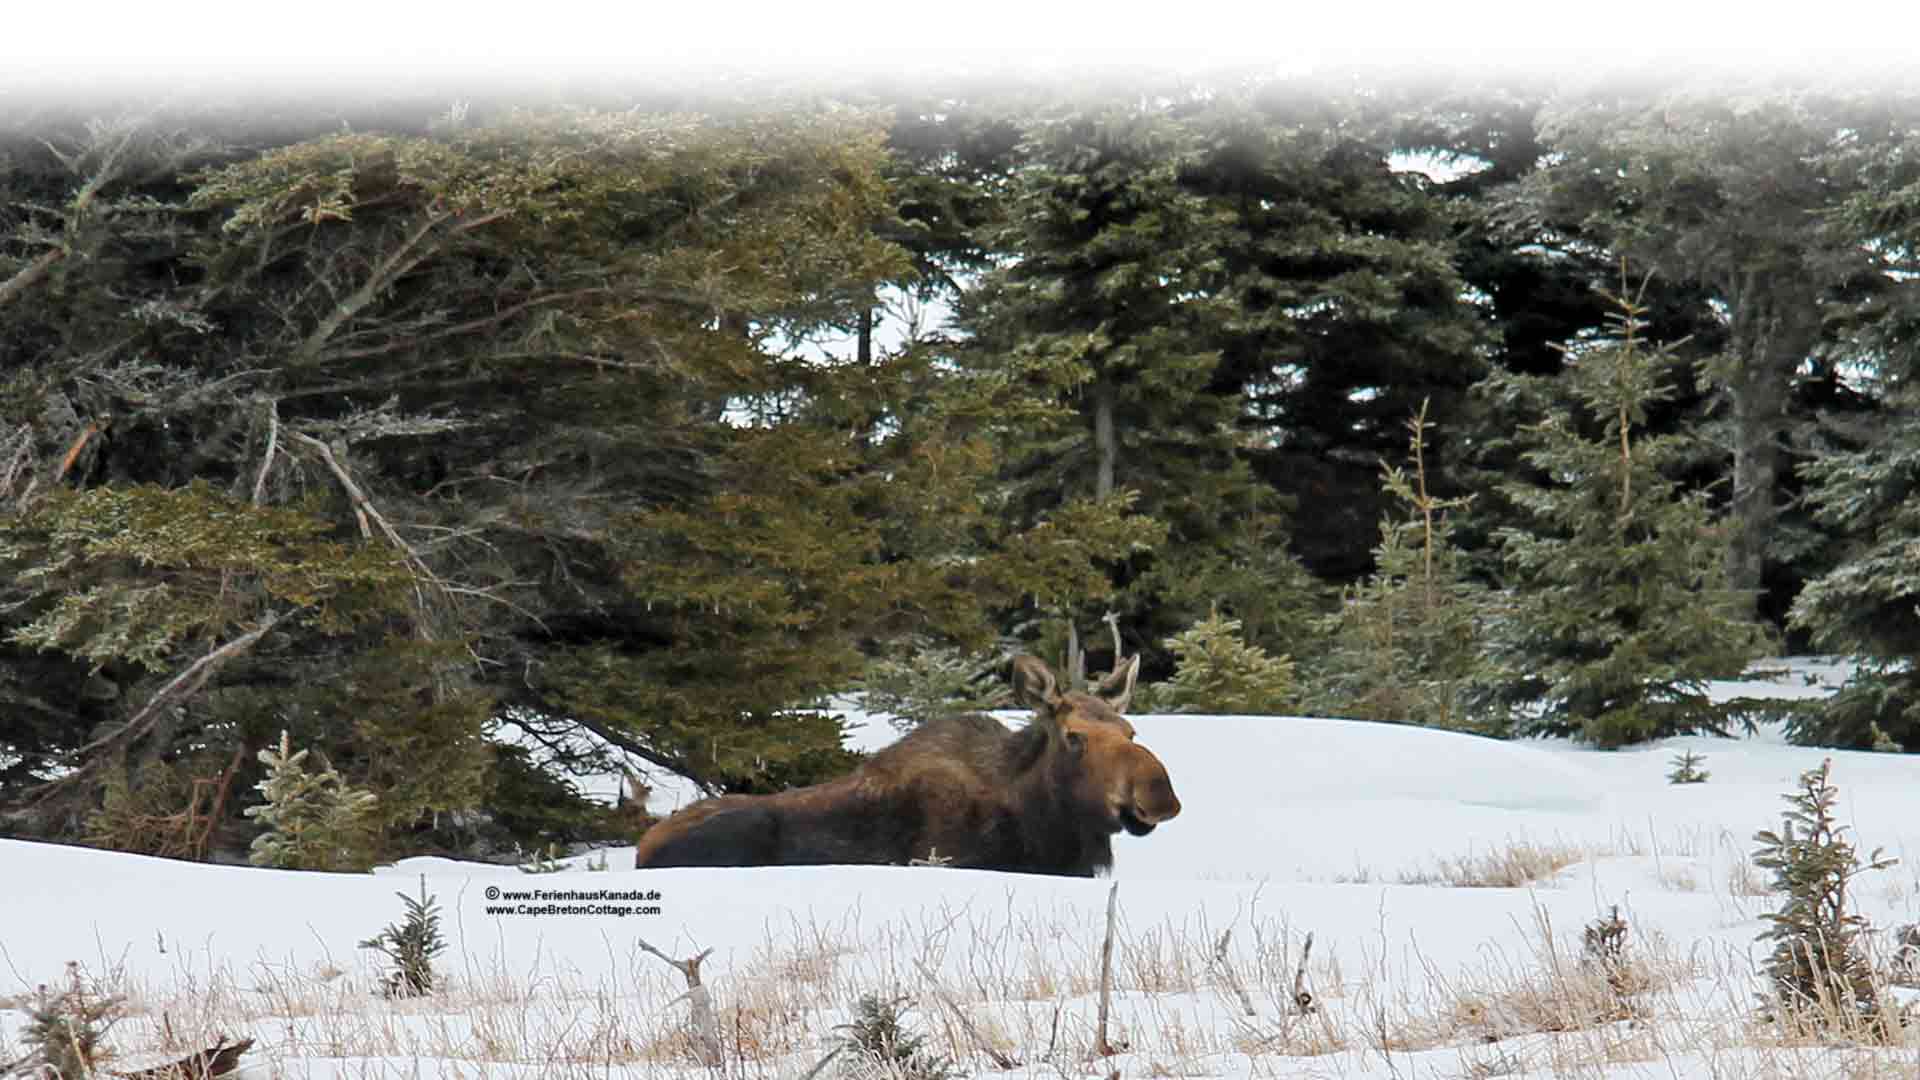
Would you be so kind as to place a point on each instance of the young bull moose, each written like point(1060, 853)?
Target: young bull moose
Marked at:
point(1046, 799)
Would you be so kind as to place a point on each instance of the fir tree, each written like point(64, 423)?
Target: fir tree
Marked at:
point(1218, 671)
point(313, 820)
point(1818, 969)
point(1730, 189)
point(1620, 608)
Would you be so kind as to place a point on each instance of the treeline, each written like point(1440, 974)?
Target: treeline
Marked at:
point(464, 441)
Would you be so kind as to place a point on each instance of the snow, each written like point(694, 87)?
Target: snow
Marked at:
point(1356, 833)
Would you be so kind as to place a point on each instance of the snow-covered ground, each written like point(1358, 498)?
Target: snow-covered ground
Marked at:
point(1376, 839)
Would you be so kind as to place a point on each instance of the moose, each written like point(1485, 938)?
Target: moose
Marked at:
point(961, 791)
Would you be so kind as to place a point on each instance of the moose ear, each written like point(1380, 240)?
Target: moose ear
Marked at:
point(1034, 684)
point(1117, 689)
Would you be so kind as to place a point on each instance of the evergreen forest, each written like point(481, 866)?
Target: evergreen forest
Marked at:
point(425, 452)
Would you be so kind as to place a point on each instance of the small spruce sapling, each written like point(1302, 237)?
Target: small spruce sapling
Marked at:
point(1621, 610)
point(1818, 970)
point(65, 1032)
point(1220, 672)
point(930, 681)
point(411, 945)
point(1686, 768)
point(314, 820)
point(882, 1046)
point(1407, 645)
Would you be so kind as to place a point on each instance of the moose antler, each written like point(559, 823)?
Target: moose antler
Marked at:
point(1076, 660)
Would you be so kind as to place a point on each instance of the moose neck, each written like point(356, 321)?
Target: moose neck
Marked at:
point(1053, 832)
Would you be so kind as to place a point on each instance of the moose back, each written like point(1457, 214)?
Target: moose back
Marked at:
point(961, 790)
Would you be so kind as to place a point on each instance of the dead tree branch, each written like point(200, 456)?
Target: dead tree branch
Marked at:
point(702, 1024)
point(266, 459)
point(390, 269)
point(1101, 1046)
point(1223, 962)
point(363, 510)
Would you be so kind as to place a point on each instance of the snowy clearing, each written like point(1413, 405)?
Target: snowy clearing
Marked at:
point(1446, 880)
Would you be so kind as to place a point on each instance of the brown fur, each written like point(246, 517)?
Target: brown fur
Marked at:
point(1046, 799)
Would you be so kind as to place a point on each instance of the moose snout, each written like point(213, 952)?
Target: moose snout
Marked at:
point(1154, 801)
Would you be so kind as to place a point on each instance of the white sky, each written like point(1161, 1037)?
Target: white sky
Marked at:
point(381, 39)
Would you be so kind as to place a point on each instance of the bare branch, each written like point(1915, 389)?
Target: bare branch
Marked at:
point(706, 1030)
point(1101, 1046)
point(73, 452)
point(23, 280)
point(364, 509)
point(266, 460)
point(390, 269)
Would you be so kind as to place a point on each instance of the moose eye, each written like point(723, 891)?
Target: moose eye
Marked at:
point(1076, 742)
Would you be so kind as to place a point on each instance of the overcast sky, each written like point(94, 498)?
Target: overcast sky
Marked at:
point(378, 39)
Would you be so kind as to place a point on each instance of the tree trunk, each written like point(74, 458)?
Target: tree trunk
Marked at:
point(864, 350)
point(1106, 448)
point(1772, 336)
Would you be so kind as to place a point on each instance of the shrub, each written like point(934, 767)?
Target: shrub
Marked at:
point(929, 682)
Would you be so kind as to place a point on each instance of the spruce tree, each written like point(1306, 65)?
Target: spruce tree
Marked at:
point(1110, 298)
point(1218, 671)
point(1862, 482)
point(1729, 186)
point(1344, 305)
point(1818, 969)
point(411, 944)
point(1866, 607)
point(1406, 644)
point(313, 820)
point(1620, 608)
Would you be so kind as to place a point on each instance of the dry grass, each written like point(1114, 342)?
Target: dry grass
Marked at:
point(1516, 865)
point(1190, 999)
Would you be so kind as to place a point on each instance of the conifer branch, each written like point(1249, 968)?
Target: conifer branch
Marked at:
point(179, 688)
